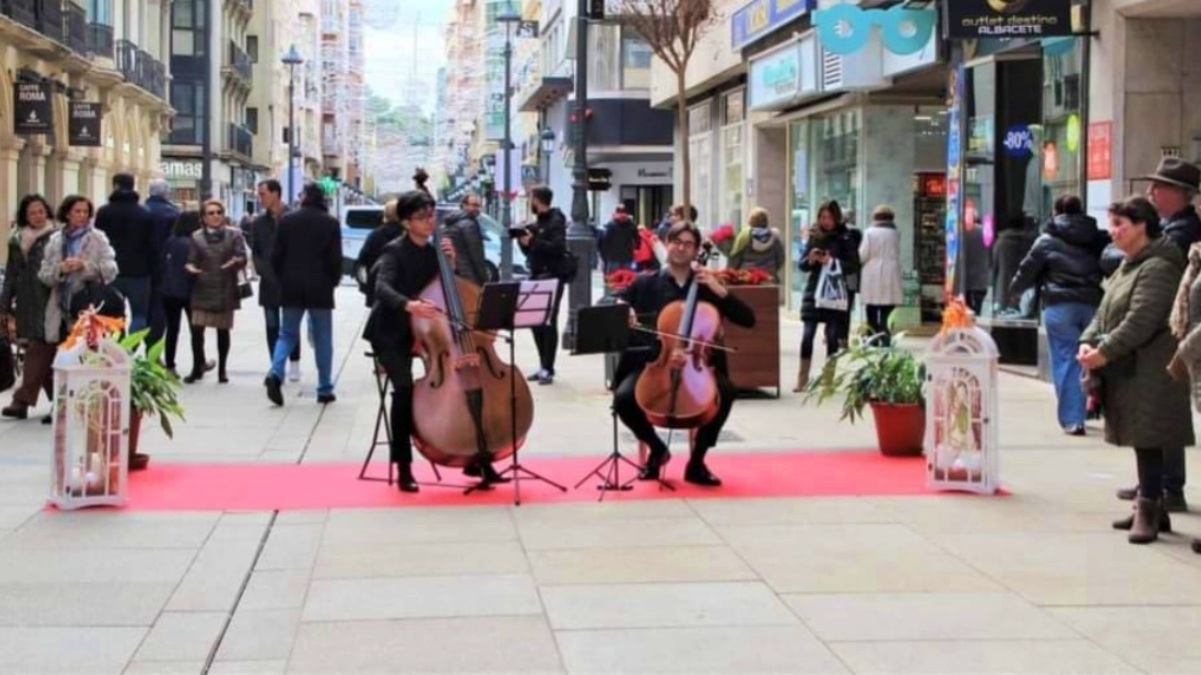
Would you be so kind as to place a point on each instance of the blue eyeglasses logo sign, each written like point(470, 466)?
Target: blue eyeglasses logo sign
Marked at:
point(845, 29)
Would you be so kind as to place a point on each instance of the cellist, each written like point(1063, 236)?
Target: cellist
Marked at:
point(647, 296)
point(407, 265)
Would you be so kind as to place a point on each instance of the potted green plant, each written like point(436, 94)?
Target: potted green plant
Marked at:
point(889, 379)
point(154, 392)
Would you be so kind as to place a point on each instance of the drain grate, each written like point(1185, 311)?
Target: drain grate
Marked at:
point(680, 437)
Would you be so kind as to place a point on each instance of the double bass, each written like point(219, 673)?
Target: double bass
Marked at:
point(461, 406)
point(686, 396)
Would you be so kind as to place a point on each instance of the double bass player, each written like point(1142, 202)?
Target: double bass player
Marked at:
point(407, 266)
point(647, 296)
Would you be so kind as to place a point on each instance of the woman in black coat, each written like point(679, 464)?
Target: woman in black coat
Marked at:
point(830, 241)
point(177, 292)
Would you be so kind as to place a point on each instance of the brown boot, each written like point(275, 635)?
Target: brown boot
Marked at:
point(1146, 521)
point(802, 376)
point(1165, 521)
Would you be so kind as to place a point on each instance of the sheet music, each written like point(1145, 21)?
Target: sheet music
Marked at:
point(535, 302)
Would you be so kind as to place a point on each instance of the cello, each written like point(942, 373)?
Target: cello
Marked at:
point(686, 396)
point(461, 405)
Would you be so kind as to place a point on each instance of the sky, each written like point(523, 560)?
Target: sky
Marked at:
point(411, 47)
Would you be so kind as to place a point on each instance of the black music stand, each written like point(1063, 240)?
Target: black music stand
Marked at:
point(605, 329)
point(509, 305)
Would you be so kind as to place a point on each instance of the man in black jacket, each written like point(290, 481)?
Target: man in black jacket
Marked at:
point(262, 242)
point(545, 246)
point(1174, 186)
point(647, 297)
point(307, 259)
point(619, 240)
point(164, 214)
point(130, 230)
point(463, 230)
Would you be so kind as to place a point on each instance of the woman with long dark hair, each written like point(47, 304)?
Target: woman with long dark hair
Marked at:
point(26, 249)
point(830, 241)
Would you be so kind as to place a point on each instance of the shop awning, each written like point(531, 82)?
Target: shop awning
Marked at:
point(548, 91)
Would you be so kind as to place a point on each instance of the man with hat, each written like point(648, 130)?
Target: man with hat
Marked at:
point(1174, 186)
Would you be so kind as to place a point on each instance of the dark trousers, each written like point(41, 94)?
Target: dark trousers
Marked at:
point(399, 367)
point(1173, 470)
point(877, 320)
point(809, 334)
point(38, 373)
point(157, 315)
point(546, 338)
point(223, 344)
point(975, 301)
point(174, 310)
point(273, 317)
point(1150, 472)
point(632, 415)
point(137, 293)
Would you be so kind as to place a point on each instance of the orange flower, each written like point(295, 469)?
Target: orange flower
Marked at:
point(92, 327)
point(956, 315)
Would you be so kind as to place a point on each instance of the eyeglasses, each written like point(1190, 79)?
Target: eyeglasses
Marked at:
point(214, 213)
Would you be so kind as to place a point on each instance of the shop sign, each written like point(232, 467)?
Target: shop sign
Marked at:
point(974, 19)
point(83, 125)
point(1018, 141)
point(181, 169)
point(1100, 151)
point(32, 113)
point(846, 29)
point(761, 17)
point(775, 78)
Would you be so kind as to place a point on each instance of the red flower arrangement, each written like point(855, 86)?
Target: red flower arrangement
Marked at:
point(722, 234)
point(620, 279)
point(745, 277)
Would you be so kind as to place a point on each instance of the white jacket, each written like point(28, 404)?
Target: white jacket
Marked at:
point(880, 276)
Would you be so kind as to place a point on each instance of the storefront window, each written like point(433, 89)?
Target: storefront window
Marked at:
point(836, 173)
point(700, 148)
point(799, 203)
point(1061, 150)
point(732, 133)
point(636, 58)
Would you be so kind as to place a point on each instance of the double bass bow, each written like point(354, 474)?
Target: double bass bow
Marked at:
point(461, 406)
point(683, 396)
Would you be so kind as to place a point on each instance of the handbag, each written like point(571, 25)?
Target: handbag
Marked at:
point(107, 300)
point(245, 290)
point(8, 365)
point(831, 288)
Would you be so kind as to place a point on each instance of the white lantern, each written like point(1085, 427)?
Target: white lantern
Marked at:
point(91, 425)
point(961, 412)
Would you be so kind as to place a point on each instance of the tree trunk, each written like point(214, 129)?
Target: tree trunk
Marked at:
point(682, 122)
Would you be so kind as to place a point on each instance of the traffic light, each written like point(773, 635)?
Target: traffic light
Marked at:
point(598, 180)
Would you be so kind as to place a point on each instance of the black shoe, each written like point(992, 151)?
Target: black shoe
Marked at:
point(538, 376)
point(1128, 494)
point(48, 420)
point(654, 466)
point(16, 411)
point(1077, 430)
point(274, 392)
point(698, 474)
point(194, 377)
point(1197, 546)
point(222, 378)
point(404, 478)
point(1173, 502)
point(325, 399)
point(547, 379)
point(1165, 523)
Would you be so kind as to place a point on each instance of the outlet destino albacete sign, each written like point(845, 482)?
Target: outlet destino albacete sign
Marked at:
point(972, 19)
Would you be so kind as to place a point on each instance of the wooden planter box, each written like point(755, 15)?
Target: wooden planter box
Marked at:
point(756, 364)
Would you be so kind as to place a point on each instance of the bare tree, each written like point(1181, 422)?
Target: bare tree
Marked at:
point(672, 29)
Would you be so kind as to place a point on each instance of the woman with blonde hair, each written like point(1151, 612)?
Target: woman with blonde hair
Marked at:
point(758, 246)
point(373, 247)
point(217, 257)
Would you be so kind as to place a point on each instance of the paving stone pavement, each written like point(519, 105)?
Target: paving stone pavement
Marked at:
point(1030, 582)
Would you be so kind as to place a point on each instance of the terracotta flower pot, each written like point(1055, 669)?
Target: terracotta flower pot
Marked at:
point(900, 429)
point(137, 460)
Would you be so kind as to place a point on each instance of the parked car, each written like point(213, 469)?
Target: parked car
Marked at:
point(359, 221)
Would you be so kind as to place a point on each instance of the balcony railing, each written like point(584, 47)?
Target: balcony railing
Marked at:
point(21, 11)
point(142, 69)
point(77, 28)
point(100, 40)
point(240, 64)
point(241, 140)
point(51, 19)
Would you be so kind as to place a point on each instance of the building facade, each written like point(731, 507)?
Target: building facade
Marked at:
point(109, 52)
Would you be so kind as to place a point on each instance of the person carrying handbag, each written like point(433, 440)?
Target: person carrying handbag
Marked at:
point(831, 256)
point(79, 266)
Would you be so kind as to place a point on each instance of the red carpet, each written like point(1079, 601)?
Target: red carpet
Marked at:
point(212, 487)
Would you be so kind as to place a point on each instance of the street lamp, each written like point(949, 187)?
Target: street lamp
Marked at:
point(580, 240)
point(291, 60)
point(508, 17)
point(548, 147)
